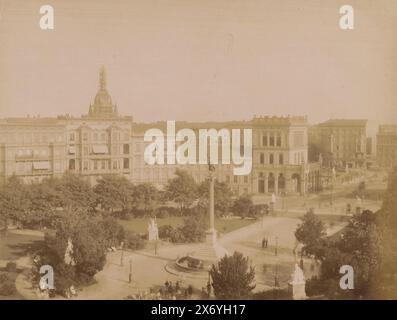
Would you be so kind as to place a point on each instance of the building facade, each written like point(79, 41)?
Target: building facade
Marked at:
point(386, 146)
point(103, 142)
point(339, 143)
point(93, 145)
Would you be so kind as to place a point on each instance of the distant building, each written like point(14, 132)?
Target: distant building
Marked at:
point(103, 142)
point(93, 145)
point(341, 142)
point(386, 146)
point(368, 147)
point(280, 159)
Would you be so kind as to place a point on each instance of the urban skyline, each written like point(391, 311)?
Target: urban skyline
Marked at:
point(315, 68)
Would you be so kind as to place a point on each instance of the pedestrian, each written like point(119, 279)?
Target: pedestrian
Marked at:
point(208, 289)
point(203, 292)
point(190, 290)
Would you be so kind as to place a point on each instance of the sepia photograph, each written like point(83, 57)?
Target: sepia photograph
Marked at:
point(198, 150)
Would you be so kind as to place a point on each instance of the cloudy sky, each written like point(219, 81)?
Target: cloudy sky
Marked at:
point(201, 59)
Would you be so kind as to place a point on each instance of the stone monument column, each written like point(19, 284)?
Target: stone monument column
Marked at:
point(211, 232)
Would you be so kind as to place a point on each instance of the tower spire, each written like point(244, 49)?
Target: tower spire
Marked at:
point(102, 78)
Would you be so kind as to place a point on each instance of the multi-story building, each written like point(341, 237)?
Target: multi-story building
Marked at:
point(102, 143)
point(93, 145)
point(279, 157)
point(339, 142)
point(386, 146)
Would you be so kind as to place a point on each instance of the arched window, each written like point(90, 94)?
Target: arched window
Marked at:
point(262, 158)
point(264, 140)
point(72, 164)
point(271, 142)
point(278, 142)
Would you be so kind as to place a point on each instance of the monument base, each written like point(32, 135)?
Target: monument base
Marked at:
point(297, 290)
point(205, 255)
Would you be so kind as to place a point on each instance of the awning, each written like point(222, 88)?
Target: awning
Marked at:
point(42, 165)
point(100, 149)
point(72, 150)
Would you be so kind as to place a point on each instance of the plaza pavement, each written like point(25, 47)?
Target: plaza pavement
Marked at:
point(149, 270)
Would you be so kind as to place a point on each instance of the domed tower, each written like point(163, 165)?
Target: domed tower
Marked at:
point(103, 107)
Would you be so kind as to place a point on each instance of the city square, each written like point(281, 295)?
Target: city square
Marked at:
point(208, 150)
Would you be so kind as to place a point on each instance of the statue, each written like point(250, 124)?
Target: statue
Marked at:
point(359, 204)
point(69, 253)
point(297, 275)
point(297, 284)
point(153, 230)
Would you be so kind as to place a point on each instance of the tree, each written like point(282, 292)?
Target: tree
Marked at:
point(222, 196)
point(233, 277)
point(14, 201)
point(242, 206)
point(357, 246)
point(114, 193)
point(182, 189)
point(90, 237)
point(310, 233)
point(42, 205)
point(145, 197)
point(74, 192)
point(193, 229)
point(387, 222)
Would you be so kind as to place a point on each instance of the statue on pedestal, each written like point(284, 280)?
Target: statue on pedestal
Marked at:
point(69, 253)
point(153, 230)
point(298, 284)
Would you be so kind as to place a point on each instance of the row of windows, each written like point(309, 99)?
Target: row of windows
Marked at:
point(299, 158)
point(271, 159)
point(100, 164)
point(236, 179)
point(37, 137)
point(32, 152)
point(99, 136)
point(271, 139)
point(101, 149)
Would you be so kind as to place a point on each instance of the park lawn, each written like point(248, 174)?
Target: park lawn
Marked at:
point(14, 246)
point(333, 218)
point(140, 225)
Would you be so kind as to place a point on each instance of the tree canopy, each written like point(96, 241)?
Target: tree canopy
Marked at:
point(233, 277)
point(182, 190)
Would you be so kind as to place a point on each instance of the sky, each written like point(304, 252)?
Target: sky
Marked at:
point(201, 60)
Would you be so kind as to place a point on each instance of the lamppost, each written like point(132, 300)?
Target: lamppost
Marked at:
point(276, 283)
point(130, 273)
point(122, 254)
point(211, 233)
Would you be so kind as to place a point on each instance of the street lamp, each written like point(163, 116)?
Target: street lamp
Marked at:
point(122, 254)
point(130, 273)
